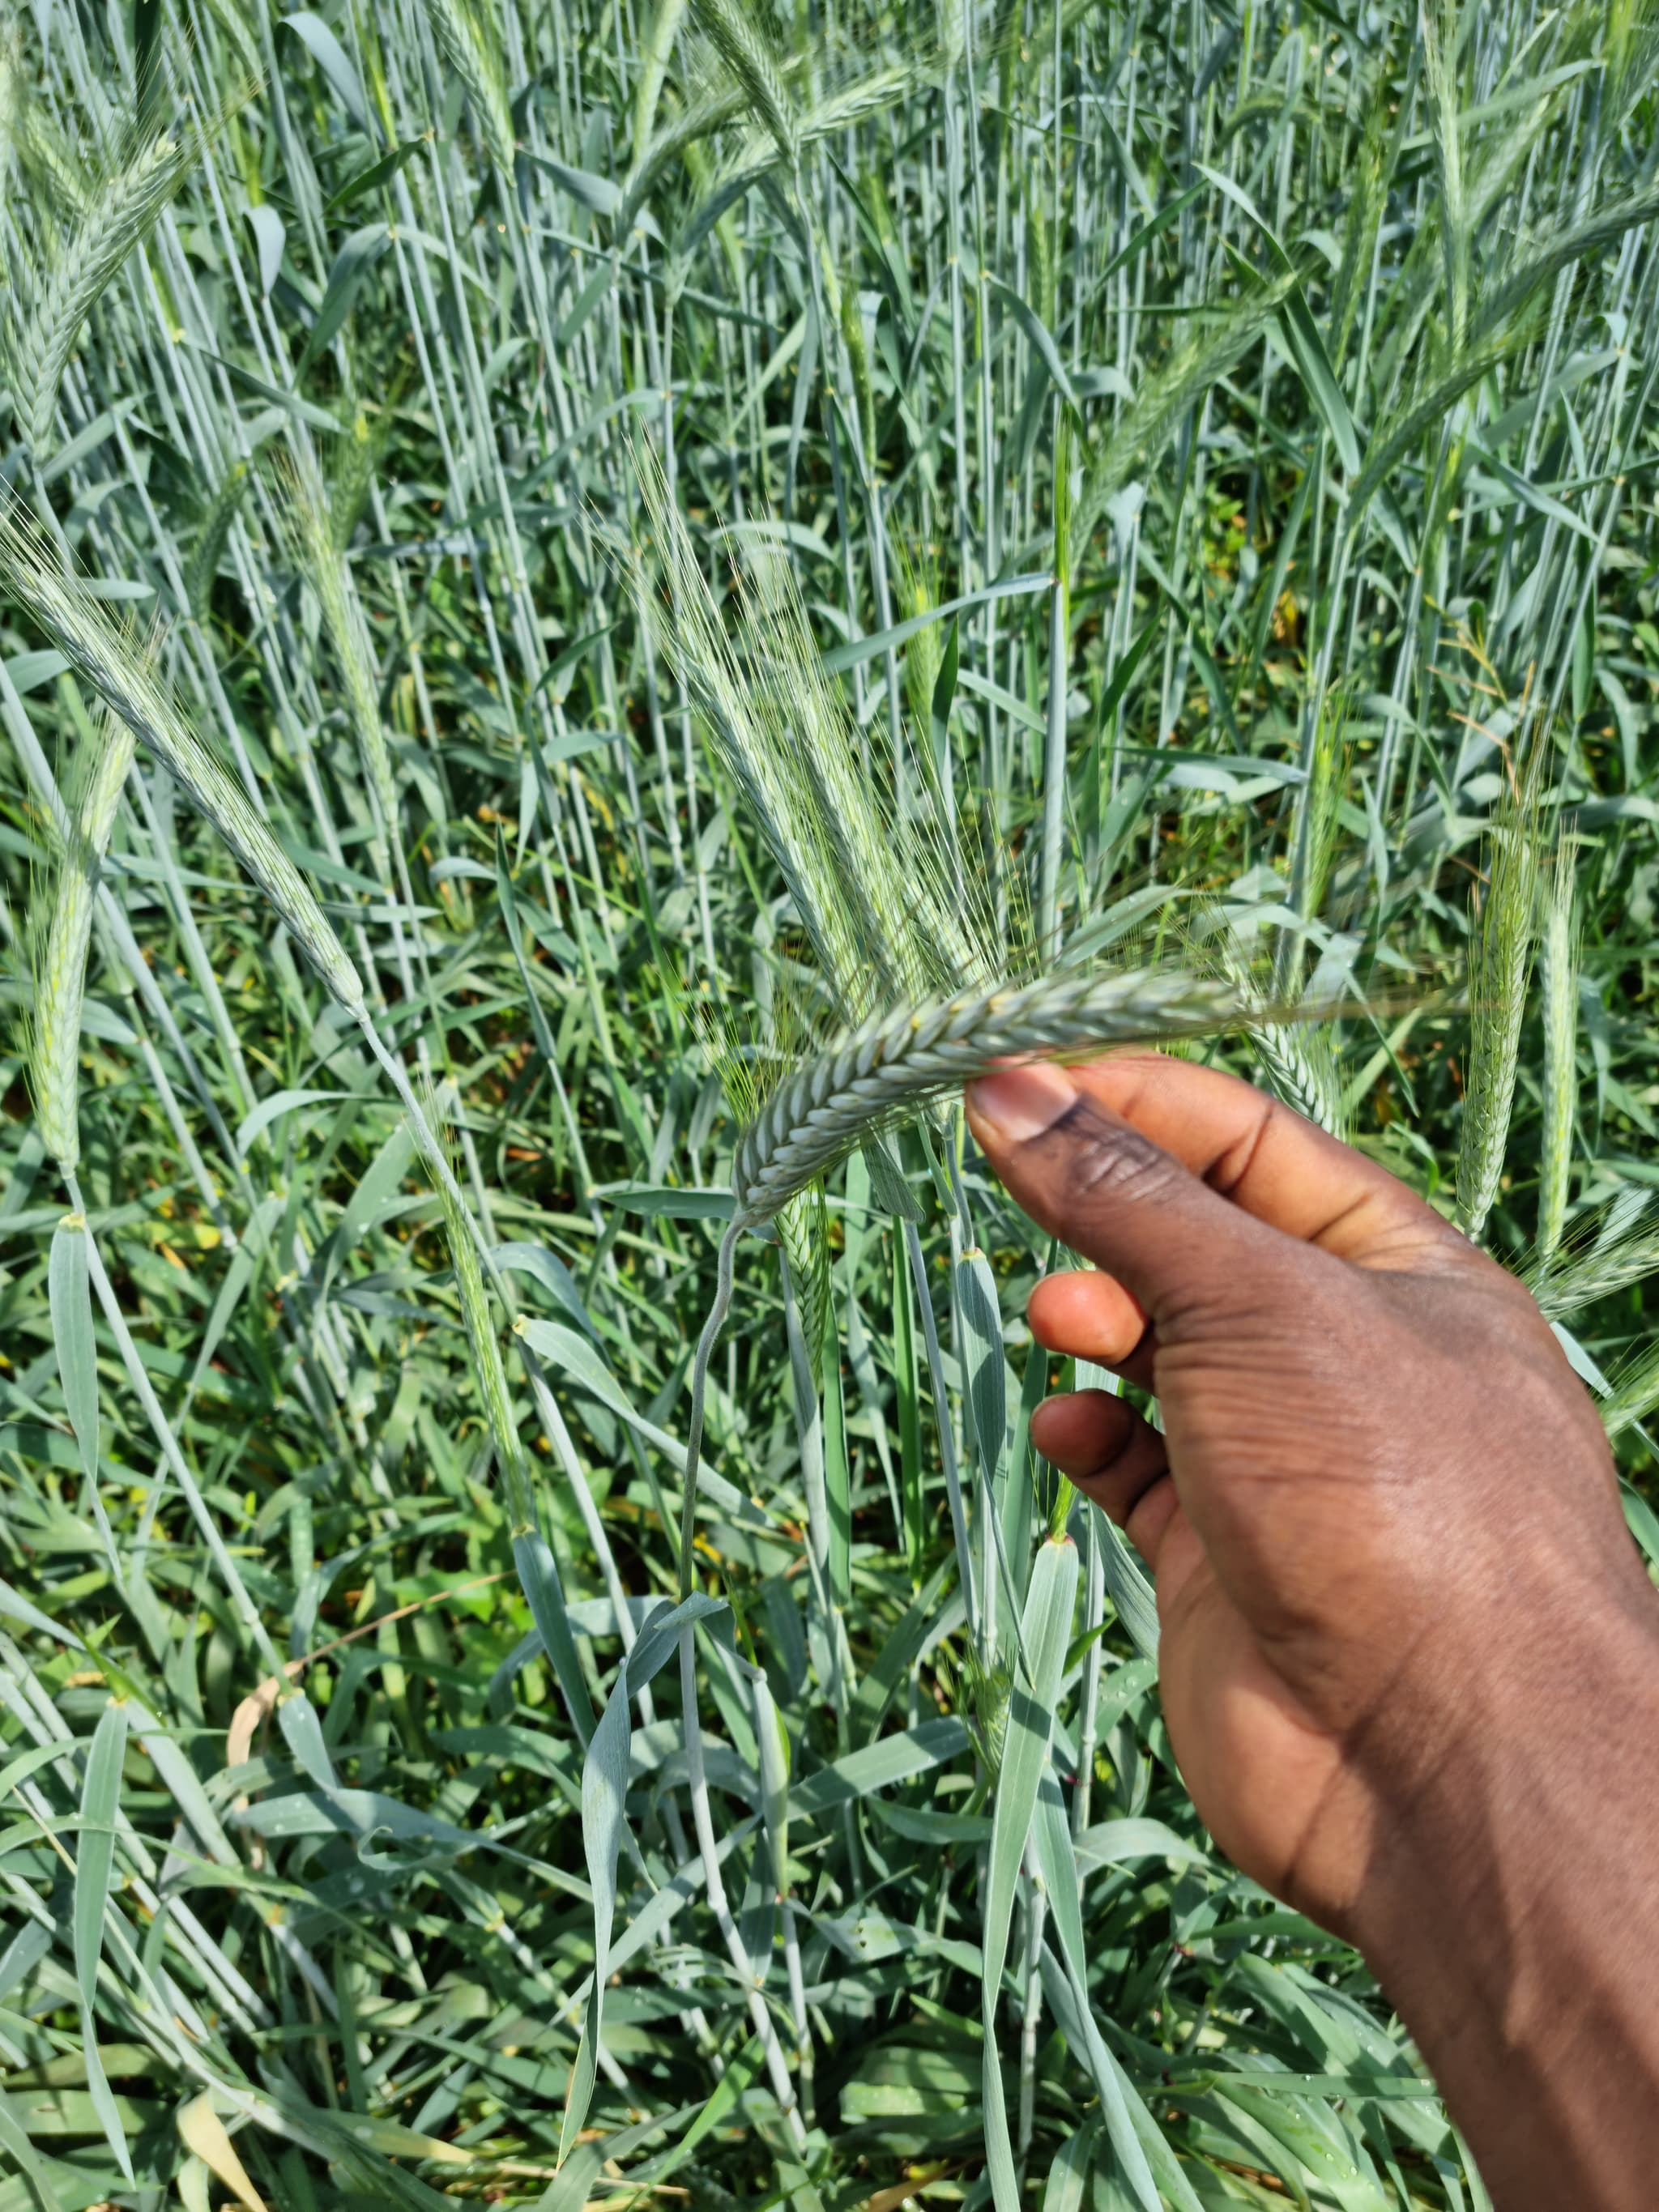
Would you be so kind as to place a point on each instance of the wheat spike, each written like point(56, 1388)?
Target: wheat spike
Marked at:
point(61, 969)
point(318, 553)
point(1635, 1393)
point(465, 45)
point(203, 567)
point(1148, 425)
point(1622, 1251)
point(106, 657)
point(745, 53)
point(1301, 1068)
point(892, 1065)
point(1499, 966)
point(119, 216)
point(875, 894)
point(804, 1232)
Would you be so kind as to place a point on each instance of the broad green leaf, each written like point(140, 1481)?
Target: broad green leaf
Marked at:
point(843, 657)
point(837, 1480)
point(605, 1791)
point(73, 1340)
point(877, 1767)
point(910, 1416)
point(351, 264)
point(94, 1880)
point(1047, 1630)
point(330, 57)
point(1125, 1580)
point(369, 179)
point(986, 1364)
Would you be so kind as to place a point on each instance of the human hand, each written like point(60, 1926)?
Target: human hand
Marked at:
point(1380, 1508)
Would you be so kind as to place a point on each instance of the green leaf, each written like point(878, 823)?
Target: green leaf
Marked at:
point(71, 1294)
point(378, 172)
point(841, 658)
point(1047, 1631)
point(330, 57)
point(604, 1790)
point(94, 1872)
point(667, 1201)
point(598, 193)
point(837, 1479)
point(273, 1109)
point(538, 1577)
point(909, 1418)
point(738, 2076)
point(1131, 1592)
point(877, 1767)
point(351, 264)
point(1299, 334)
point(983, 1359)
point(1041, 340)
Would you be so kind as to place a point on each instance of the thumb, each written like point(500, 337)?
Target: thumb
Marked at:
point(1103, 1187)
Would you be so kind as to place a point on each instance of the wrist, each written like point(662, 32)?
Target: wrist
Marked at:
point(1509, 1909)
point(1518, 1756)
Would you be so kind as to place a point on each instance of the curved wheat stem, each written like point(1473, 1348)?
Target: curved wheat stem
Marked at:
point(892, 1065)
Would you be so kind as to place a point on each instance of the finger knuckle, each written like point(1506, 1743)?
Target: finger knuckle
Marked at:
point(1107, 1161)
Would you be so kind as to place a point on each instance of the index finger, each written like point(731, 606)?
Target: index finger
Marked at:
point(1269, 1161)
point(1194, 1190)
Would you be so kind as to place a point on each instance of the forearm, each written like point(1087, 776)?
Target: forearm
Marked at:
point(1514, 1920)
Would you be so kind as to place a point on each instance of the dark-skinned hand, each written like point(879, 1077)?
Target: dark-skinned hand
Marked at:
point(1406, 1639)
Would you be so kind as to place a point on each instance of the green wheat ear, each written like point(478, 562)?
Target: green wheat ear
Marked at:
point(732, 31)
point(202, 570)
point(108, 659)
point(1500, 963)
point(60, 961)
point(1148, 424)
point(317, 545)
point(876, 894)
point(465, 42)
point(117, 216)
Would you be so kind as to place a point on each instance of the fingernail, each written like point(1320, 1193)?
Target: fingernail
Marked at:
point(1017, 1104)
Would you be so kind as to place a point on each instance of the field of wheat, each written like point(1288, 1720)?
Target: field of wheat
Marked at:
point(599, 601)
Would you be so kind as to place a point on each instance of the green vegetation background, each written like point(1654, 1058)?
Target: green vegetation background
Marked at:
point(333, 343)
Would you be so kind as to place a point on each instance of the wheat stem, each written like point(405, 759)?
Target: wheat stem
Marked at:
point(1559, 976)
